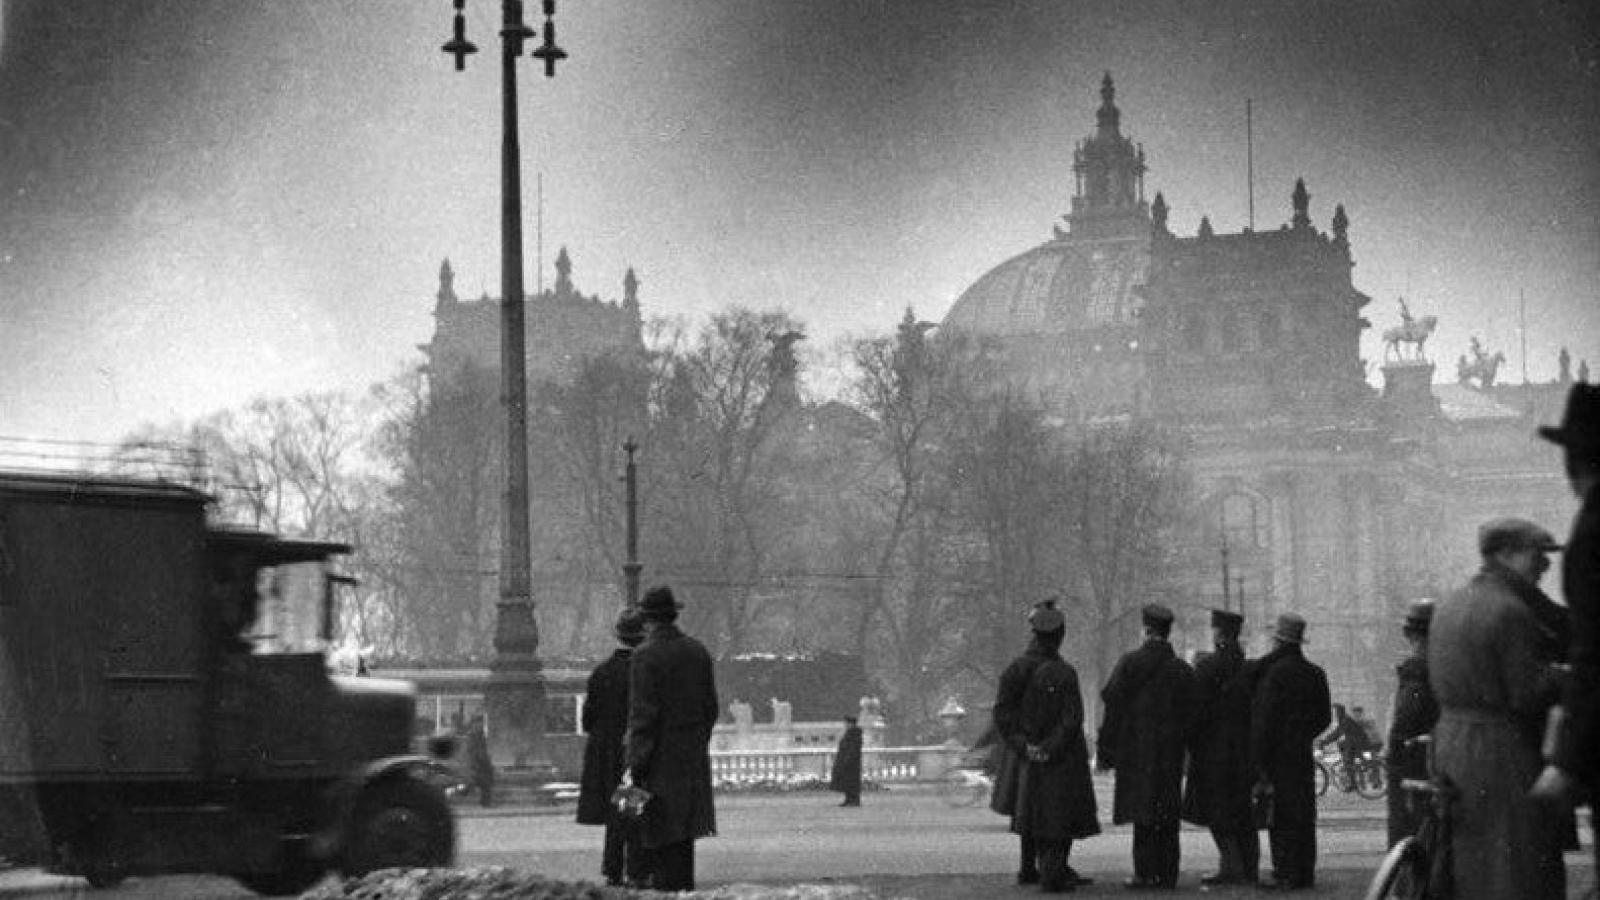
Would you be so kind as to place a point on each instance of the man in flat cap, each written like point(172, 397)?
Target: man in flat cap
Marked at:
point(1289, 708)
point(1217, 790)
point(1494, 671)
point(1144, 734)
point(605, 721)
point(1573, 746)
point(672, 707)
point(1046, 629)
point(1414, 714)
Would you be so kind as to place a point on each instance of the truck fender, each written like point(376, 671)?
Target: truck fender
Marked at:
point(339, 801)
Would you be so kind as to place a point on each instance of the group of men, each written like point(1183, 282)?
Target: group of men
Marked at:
point(1504, 680)
point(1241, 731)
point(649, 712)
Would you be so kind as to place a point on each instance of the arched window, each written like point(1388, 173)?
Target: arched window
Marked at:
point(1244, 521)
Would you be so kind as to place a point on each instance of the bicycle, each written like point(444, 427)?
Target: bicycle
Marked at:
point(1418, 867)
point(1364, 777)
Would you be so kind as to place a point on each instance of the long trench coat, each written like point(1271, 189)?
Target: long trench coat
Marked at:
point(1055, 797)
point(672, 708)
point(1149, 705)
point(1490, 666)
point(1008, 726)
point(605, 721)
point(1415, 714)
point(846, 774)
point(1217, 789)
point(1290, 707)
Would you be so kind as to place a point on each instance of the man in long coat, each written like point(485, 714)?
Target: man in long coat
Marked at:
point(1008, 726)
point(1217, 790)
point(1573, 746)
point(846, 775)
point(1495, 680)
point(1290, 707)
point(1149, 705)
point(605, 721)
point(672, 707)
point(1055, 800)
point(1415, 713)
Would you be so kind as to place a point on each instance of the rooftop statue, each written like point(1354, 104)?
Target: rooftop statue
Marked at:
point(1482, 367)
point(1410, 331)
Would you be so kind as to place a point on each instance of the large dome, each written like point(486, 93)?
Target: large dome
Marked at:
point(1061, 286)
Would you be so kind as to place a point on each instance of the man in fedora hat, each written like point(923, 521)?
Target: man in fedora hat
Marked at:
point(1573, 743)
point(1217, 790)
point(1414, 714)
point(605, 721)
point(672, 707)
point(1289, 709)
point(1144, 733)
point(1046, 629)
point(1493, 668)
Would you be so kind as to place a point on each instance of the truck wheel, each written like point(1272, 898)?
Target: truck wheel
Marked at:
point(400, 823)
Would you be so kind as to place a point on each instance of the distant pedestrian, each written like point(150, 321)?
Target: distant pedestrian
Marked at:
point(672, 707)
point(1149, 708)
point(846, 775)
point(1217, 791)
point(1055, 797)
point(605, 721)
point(479, 764)
point(1415, 712)
point(1044, 620)
point(1491, 668)
point(1573, 741)
point(1290, 707)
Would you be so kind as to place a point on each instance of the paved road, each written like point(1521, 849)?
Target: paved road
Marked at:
point(806, 837)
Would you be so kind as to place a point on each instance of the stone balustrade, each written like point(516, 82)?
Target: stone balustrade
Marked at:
point(885, 765)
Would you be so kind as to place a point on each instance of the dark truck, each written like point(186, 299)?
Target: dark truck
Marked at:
point(160, 711)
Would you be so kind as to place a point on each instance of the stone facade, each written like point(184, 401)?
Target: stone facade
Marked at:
point(1334, 500)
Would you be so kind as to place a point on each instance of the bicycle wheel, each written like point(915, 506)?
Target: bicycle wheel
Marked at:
point(1370, 782)
point(1322, 778)
point(1403, 874)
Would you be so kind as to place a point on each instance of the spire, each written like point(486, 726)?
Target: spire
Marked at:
point(630, 289)
point(1108, 117)
point(1158, 213)
point(563, 273)
point(1302, 202)
point(1341, 225)
point(1205, 227)
point(447, 281)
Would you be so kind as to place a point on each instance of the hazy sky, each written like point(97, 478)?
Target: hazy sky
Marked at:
point(206, 200)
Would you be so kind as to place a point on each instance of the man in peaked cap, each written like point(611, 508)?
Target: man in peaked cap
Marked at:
point(672, 707)
point(1414, 714)
point(1572, 746)
point(1289, 708)
point(1046, 628)
point(1493, 664)
point(1217, 790)
point(1144, 734)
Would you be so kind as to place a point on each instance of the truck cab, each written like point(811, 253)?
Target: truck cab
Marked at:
point(168, 701)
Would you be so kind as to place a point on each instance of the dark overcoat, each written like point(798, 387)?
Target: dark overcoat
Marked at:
point(1055, 796)
point(672, 707)
point(1290, 708)
point(1415, 713)
point(1008, 725)
point(1149, 705)
point(605, 721)
point(1217, 790)
point(1579, 752)
point(846, 775)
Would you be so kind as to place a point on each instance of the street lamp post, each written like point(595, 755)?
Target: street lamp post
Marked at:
point(515, 694)
point(631, 567)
